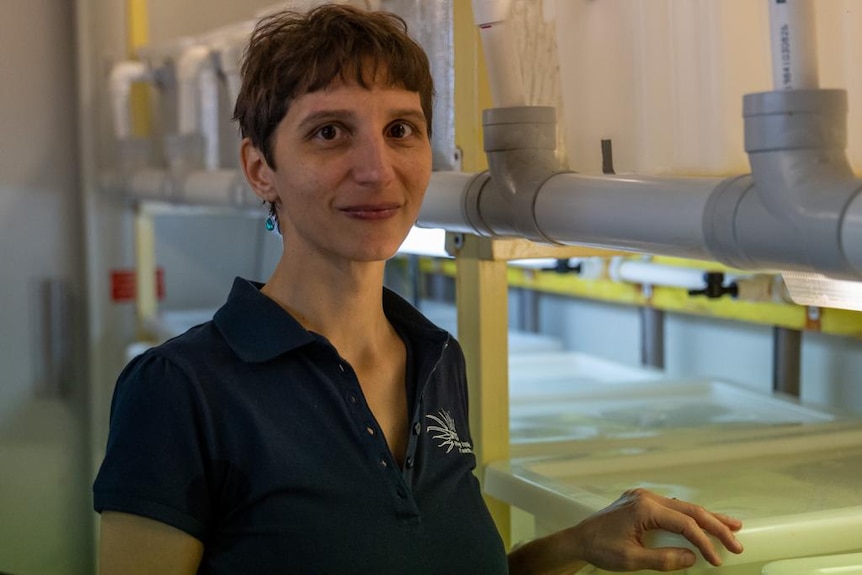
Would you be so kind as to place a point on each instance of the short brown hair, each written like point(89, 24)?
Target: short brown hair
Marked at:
point(291, 54)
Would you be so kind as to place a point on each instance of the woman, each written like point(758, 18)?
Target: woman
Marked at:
point(318, 423)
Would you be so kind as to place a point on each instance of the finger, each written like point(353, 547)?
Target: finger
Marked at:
point(716, 524)
point(682, 523)
point(691, 509)
point(732, 522)
point(688, 528)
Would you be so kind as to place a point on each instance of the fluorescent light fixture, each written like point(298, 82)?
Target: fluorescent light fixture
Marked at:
point(425, 242)
point(822, 291)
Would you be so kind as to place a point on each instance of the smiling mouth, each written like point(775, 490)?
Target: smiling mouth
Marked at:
point(371, 212)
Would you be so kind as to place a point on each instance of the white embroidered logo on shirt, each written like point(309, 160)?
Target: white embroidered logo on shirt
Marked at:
point(447, 434)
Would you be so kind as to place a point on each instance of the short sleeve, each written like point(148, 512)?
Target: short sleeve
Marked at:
point(156, 458)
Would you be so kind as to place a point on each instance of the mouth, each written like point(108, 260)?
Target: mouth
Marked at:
point(371, 212)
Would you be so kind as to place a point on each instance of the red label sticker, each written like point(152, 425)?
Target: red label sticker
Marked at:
point(124, 287)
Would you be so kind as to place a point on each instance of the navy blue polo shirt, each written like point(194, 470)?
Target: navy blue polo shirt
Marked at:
point(252, 434)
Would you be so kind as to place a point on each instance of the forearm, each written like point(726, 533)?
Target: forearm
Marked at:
point(132, 544)
point(554, 554)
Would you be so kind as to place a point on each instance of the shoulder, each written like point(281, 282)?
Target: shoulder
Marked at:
point(181, 353)
point(203, 342)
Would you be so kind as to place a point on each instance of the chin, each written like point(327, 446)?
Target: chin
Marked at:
point(380, 255)
point(380, 250)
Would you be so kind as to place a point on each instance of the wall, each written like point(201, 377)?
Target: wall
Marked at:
point(44, 482)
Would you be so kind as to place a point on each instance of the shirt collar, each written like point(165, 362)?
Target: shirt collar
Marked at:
point(257, 329)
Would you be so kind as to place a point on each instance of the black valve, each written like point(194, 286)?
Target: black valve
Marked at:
point(562, 266)
point(715, 287)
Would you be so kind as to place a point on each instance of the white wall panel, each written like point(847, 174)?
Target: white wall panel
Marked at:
point(44, 487)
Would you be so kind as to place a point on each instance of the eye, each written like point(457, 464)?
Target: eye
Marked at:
point(400, 130)
point(328, 132)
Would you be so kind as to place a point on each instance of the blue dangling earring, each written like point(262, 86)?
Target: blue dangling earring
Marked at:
point(270, 223)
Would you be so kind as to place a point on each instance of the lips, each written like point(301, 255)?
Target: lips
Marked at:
point(371, 212)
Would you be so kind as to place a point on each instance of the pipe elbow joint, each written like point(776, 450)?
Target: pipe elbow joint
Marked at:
point(799, 208)
point(520, 143)
point(193, 61)
point(124, 74)
point(490, 11)
point(796, 141)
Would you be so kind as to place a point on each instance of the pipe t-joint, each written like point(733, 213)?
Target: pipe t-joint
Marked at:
point(520, 143)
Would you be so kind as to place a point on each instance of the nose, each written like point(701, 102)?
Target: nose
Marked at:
point(372, 160)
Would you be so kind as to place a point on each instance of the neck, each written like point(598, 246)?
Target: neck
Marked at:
point(337, 302)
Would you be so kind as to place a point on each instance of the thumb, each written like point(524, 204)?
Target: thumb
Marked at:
point(668, 558)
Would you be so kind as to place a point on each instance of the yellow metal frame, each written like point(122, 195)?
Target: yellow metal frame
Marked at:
point(472, 93)
point(482, 303)
point(146, 298)
point(138, 33)
point(831, 321)
point(481, 287)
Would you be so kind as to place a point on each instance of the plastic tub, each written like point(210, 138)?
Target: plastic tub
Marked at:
point(577, 415)
point(847, 564)
point(798, 496)
point(548, 374)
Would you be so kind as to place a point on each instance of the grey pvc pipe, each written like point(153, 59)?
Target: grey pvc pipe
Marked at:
point(800, 210)
point(786, 360)
point(445, 201)
point(637, 213)
point(851, 232)
point(652, 337)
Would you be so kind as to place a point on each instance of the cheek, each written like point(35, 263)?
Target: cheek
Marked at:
point(419, 174)
point(298, 188)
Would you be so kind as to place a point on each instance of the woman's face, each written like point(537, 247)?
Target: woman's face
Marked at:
point(352, 166)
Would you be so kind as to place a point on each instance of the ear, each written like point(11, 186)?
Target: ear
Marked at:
point(259, 175)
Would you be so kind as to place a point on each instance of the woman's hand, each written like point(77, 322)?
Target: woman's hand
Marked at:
point(613, 538)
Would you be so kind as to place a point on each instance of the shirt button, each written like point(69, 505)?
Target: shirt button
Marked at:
point(353, 399)
point(383, 463)
point(410, 462)
point(417, 428)
point(341, 367)
point(370, 430)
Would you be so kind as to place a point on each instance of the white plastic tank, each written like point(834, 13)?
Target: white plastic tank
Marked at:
point(797, 495)
point(845, 564)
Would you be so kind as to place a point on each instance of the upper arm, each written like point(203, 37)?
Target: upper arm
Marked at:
point(131, 544)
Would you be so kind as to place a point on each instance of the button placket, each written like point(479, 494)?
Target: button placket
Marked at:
point(376, 442)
